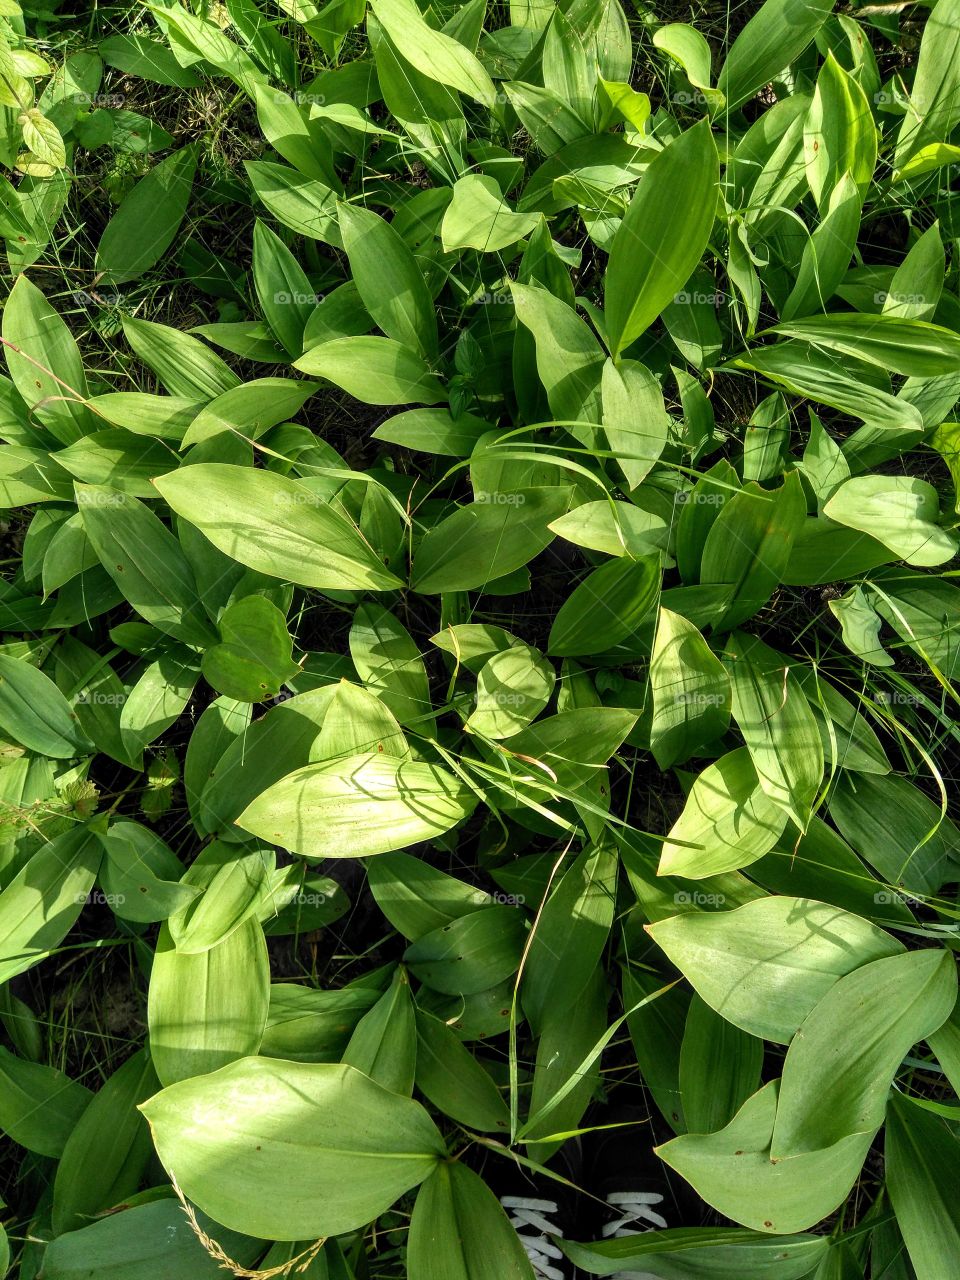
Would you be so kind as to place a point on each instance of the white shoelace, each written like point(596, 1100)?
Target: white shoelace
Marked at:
point(531, 1216)
point(636, 1216)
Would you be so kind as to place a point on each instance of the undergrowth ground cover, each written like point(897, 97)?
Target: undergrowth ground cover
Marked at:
point(477, 683)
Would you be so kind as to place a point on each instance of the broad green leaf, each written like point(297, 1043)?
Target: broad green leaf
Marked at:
point(897, 829)
point(458, 1223)
point(250, 409)
point(41, 904)
point(144, 227)
point(662, 236)
point(253, 659)
point(486, 540)
point(570, 933)
point(305, 205)
point(384, 1042)
point(719, 1068)
point(391, 666)
point(228, 883)
point(149, 1239)
point(358, 805)
point(839, 1068)
point(290, 1150)
point(39, 1106)
point(470, 954)
point(635, 420)
point(207, 1009)
point(35, 713)
point(606, 608)
point(934, 107)
point(734, 1172)
point(708, 1252)
point(417, 898)
point(776, 34)
point(777, 724)
point(145, 561)
point(922, 1160)
point(748, 545)
point(911, 347)
point(184, 365)
point(478, 217)
point(839, 136)
point(107, 1150)
point(690, 689)
point(275, 525)
point(389, 280)
point(45, 363)
point(901, 512)
point(615, 528)
point(766, 965)
point(141, 876)
point(437, 56)
point(728, 821)
point(513, 687)
point(569, 357)
point(374, 370)
point(452, 1079)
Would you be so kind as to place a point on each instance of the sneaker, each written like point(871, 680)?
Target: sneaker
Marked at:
point(531, 1219)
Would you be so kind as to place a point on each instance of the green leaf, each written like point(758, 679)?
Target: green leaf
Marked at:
point(748, 545)
point(606, 608)
point(478, 217)
point(840, 1066)
point(920, 1151)
point(391, 666)
point(107, 1150)
point(775, 35)
point(662, 236)
point(417, 898)
point(704, 1252)
point(437, 56)
point(719, 1068)
point(513, 687)
point(778, 726)
point(457, 1222)
point(184, 365)
point(728, 821)
point(635, 420)
point(145, 561)
point(144, 227)
point(35, 713)
point(690, 689)
point(933, 110)
point(358, 805)
point(41, 904)
point(486, 540)
point(901, 512)
point(45, 363)
point(452, 1079)
point(839, 136)
point(374, 370)
point(151, 1239)
point(389, 280)
point(39, 1106)
point(571, 932)
point(767, 964)
point(228, 883)
point(210, 1008)
point(473, 953)
point(290, 1150)
point(911, 347)
point(253, 659)
point(384, 1042)
point(275, 525)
